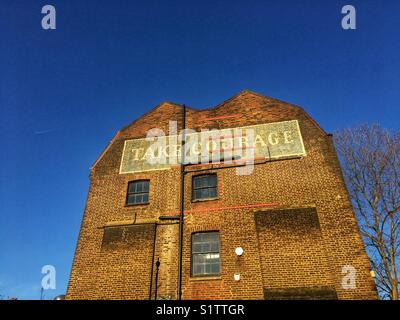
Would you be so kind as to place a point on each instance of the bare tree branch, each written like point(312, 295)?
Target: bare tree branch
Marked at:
point(370, 157)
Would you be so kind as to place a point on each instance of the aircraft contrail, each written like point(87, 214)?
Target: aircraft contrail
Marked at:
point(43, 131)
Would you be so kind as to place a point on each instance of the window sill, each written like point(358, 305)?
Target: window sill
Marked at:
point(205, 278)
point(206, 199)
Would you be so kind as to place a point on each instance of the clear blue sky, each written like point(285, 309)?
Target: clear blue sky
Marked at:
point(65, 92)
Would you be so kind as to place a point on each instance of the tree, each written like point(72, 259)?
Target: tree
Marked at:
point(370, 157)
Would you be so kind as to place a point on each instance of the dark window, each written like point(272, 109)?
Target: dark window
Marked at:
point(138, 192)
point(205, 254)
point(204, 187)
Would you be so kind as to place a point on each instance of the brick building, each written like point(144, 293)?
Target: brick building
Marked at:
point(291, 216)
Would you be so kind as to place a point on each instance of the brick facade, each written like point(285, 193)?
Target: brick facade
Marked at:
point(294, 246)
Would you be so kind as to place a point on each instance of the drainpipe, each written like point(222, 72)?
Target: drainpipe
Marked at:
point(182, 205)
point(157, 266)
point(152, 261)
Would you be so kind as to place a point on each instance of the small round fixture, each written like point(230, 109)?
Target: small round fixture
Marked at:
point(239, 251)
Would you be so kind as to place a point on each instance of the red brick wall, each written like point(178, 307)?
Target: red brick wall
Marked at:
point(291, 246)
point(125, 260)
point(314, 181)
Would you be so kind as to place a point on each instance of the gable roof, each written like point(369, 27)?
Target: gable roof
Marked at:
point(239, 95)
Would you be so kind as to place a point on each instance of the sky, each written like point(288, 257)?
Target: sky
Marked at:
point(64, 93)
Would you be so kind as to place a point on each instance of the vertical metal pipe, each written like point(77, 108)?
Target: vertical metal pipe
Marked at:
point(152, 261)
point(182, 203)
point(157, 267)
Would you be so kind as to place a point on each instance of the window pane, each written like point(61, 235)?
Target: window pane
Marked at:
point(205, 253)
point(198, 258)
point(214, 236)
point(206, 247)
point(196, 248)
point(131, 199)
point(136, 198)
point(205, 181)
point(196, 237)
point(214, 247)
point(196, 269)
point(206, 236)
point(213, 192)
point(205, 187)
point(140, 198)
point(139, 186)
point(138, 192)
point(215, 268)
point(196, 182)
point(197, 194)
point(132, 187)
point(212, 182)
point(211, 257)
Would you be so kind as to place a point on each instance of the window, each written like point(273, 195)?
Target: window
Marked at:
point(205, 254)
point(138, 192)
point(204, 187)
